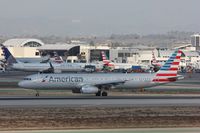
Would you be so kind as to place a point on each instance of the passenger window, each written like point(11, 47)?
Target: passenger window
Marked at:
point(27, 78)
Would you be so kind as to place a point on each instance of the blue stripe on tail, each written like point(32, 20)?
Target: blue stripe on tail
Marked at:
point(8, 56)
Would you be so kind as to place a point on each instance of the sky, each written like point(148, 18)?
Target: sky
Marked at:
point(97, 17)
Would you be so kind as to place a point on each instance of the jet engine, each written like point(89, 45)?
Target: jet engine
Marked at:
point(88, 89)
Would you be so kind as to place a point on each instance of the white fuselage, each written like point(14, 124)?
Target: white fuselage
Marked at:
point(122, 65)
point(97, 65)
point(58, 67)
point(125, 65)
point(75, 81)
point(38, 67)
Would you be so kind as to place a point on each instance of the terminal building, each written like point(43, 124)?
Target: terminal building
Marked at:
point(195, 41)
point(33, 49)
point(24, 47)
point(83, 52)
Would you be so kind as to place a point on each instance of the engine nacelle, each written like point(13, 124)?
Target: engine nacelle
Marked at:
point(88, 89)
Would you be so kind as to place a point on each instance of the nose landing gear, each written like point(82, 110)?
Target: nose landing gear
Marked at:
point(37, 93)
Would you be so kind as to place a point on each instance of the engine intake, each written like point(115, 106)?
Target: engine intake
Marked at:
point(88, 89)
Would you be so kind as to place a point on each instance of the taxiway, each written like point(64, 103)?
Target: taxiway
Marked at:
point(102, 101)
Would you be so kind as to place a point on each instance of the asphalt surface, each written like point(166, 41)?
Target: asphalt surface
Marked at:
point(146, 130)
point(101, 101)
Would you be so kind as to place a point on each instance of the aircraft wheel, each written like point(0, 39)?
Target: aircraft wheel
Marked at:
point(37, 94)
point(142, 90)
point(104, 93)
point(98, 93)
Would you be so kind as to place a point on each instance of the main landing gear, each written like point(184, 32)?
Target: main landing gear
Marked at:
point(37, 94)
point(100, 93)
point(142, 90)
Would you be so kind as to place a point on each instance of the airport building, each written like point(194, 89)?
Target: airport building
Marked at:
point(195, 41)
point(93, 53)
point(62, 49)
point(124, 55)
point(83, 52)
point(23, 47)
point(34, 48)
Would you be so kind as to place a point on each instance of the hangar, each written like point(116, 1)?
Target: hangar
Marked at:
point(61, 49)
point(34, 48)
point(21, 47)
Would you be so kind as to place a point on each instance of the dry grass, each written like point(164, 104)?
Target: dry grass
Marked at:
point(97, 117)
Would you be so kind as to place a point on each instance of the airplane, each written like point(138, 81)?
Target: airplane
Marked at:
point(113, 65)
point(39, 67)
point(99, 83)
point(154, 62)
point(56, 58)
point(107, 62)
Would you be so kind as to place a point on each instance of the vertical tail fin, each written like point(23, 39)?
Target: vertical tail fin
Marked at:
point(104, 57)
point(110, 65)
point(56, 58)
point(154, 61)
point(8, 56)
point(168, 72)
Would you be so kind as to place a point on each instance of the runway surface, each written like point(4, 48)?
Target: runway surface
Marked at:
point(102, 101)
point(146, 130)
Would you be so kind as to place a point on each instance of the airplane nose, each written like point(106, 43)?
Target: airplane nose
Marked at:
point(21, 84)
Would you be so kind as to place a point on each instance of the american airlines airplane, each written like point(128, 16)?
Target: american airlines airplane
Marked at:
point(154, 62)
point(114, 65)
point(40, 67)
point(99, 83)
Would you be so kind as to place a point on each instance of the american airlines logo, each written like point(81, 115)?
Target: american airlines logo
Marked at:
point(66, 79)
point(44, 79)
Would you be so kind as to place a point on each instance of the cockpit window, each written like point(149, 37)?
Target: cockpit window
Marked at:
point(27, 78)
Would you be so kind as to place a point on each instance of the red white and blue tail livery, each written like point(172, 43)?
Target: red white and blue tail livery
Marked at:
point(168, 72)
point(154, 62)
point(104, 58)
point(107, 62)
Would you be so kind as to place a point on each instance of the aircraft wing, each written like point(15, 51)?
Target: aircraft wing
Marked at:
point(106, 84)
point(111, 83)
point(45, 61)
point(50, 69)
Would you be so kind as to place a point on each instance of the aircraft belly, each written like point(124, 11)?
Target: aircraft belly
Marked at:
point(134, 85)
point(33, 69)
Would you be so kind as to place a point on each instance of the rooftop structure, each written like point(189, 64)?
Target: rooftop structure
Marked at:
point(195, 40)
point(18, 42)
